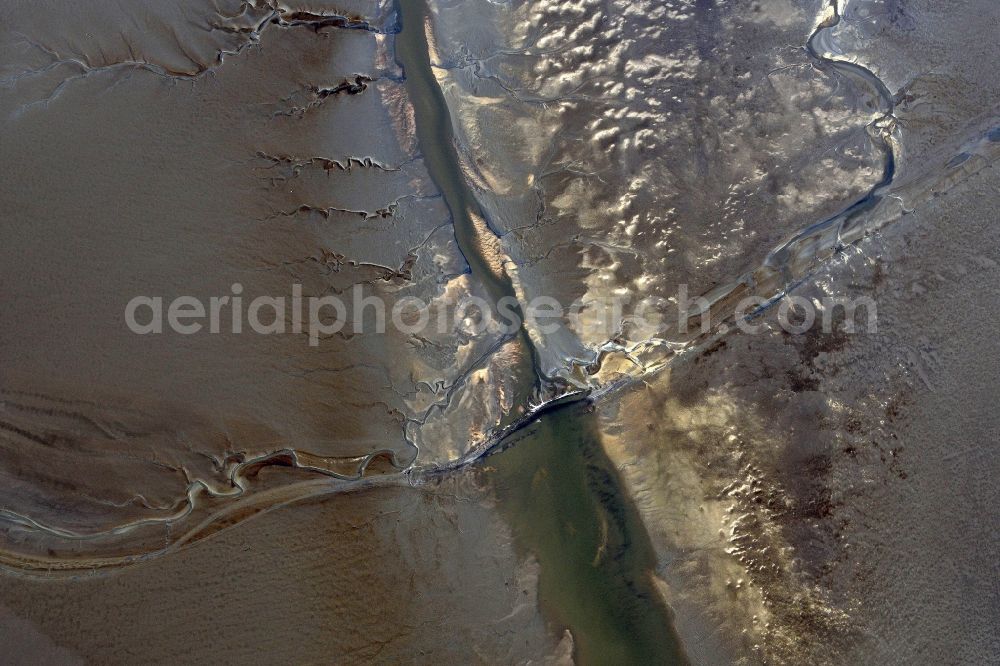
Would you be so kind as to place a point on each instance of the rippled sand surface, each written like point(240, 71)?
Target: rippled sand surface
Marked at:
point(815, 498)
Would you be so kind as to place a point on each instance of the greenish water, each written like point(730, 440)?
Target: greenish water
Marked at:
point(563, 499)
point(557, 489)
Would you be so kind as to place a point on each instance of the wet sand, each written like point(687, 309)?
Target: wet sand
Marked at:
point(374, 577)
point(730, 498)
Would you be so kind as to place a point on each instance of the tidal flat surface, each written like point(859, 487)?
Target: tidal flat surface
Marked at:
point(623, 493)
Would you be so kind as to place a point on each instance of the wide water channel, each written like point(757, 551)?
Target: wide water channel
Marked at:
point(561, 495)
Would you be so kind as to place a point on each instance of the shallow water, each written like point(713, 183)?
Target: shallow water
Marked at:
point(564, 501)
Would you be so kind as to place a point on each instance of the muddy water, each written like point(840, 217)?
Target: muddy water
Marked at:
point(564, 501)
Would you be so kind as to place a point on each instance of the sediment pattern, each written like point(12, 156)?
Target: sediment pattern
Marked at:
point(575, 149)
